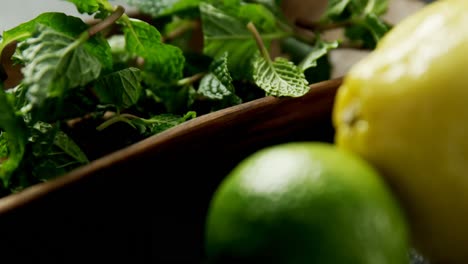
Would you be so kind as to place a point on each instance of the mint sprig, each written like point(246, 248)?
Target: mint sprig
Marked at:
point(135, 77)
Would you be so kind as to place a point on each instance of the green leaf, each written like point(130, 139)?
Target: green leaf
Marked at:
point(122, 88)
point(364, 27)
point(354, 8)
point(9, 121)
point(322, 72)
point(280, 77)
point(53, 20)
point(166, 62)
point(336, 7)
point(53, 152)
point(79, 103)
point(231, 7)
point(159, 123)
point(300, 51)
point(14, 134)
point(67, 25)
point(91, 6)
point(377, 28)
point(368, 31)
point(176, 99)
point(376, 7)
point(217, 85)
point(55, 64)
point(120, 55)
point(166, 7)
point(196, 63)
point(321, 49)
point(140, 35)
point(76, 104)
point(272, 5)
point(3, 147)
point(225, 33)
point(296, 49)
point(86, 6)
point(263, 19)
point(17, 96)
point(69, 147)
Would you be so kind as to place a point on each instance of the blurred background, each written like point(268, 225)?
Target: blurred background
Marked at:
point(15, 12)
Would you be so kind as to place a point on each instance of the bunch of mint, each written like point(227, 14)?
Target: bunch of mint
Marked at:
point(138, 77)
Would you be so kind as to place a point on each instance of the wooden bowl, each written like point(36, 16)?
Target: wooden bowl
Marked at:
point(147, 203)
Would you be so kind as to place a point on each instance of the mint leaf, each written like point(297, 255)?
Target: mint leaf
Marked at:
point(175, 99)
point(13, 132)
point(120, 55)
point(166, 7)
point(377, 28)
point(159, 123)
point(78, 103)
point(368, 31)
point(17, 96)
point(3, 147)
point(98, 47)
point(86, 6)
point(299, 50)
point(140, 35)
point(231, 7)
point(67, 25)
point(225, 33)
point(69, 147)
point(364, 26)
point(260, 16)
point(9, 121)
point(336, 9)
point(53, 152)
point(377, 7)
point(57, 21)
point(122, 88)
point(272, 5)
point(280, 77)
point(321, 49)
point(55, 63)
point(91, 6)
point(217, 85)
point(165, 62)
point(14, 146)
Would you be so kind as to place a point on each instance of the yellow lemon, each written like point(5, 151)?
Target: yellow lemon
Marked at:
point(404, 108)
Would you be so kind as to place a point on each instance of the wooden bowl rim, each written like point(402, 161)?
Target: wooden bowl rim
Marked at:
point(137, 149)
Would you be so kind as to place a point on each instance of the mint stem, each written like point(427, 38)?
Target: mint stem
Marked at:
point(261, 46)
point(191, 79)
point(190, 25)
point(107, 22)
point(320, 27)
point(115, 119)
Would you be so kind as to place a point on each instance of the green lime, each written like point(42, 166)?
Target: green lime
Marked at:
point(305, 202)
